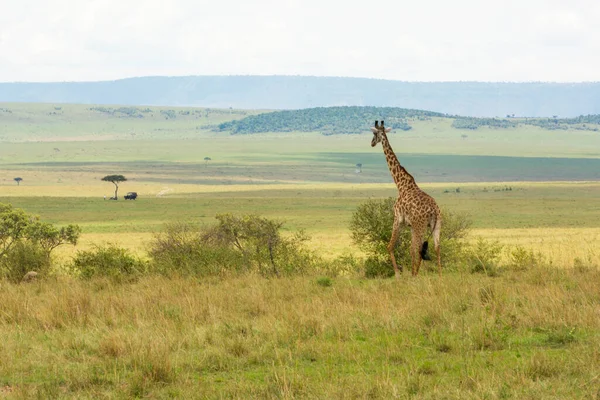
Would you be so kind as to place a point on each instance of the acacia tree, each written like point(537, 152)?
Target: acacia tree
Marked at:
point(115, 179)
point(18, 180)
point(50, 237)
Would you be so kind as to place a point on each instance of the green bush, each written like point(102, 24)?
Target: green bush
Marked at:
point(345, 265)
point(291, 256)
point(324, 281)
point(483, 257)
point(108, 261)
point(24, 256)
point(584, 265)
point(258, 240)
point(234, 245)
point(378, 267)
point(187, 250)
point(522, 259)
point(371, 228)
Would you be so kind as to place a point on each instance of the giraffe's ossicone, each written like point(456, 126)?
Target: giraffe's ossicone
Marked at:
point(413, 207)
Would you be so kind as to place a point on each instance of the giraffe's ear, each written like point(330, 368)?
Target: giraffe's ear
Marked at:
point(374, 130)
point(388, 130)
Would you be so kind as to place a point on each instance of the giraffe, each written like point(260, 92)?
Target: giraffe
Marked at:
point(413, 207)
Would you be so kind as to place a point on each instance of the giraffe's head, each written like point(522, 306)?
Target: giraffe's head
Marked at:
point(378, 133)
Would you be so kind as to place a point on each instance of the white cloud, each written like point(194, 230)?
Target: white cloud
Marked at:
point(430, 40)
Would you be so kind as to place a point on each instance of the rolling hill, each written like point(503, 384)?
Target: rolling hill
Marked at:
point(479, 99)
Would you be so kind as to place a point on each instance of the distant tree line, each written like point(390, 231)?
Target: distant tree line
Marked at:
point(351, 120)
point(583, 119)
point(169, 114)
point(474, 123)
point(136, 112)
point(327, 120)
point(132, 112)
point(583, 122)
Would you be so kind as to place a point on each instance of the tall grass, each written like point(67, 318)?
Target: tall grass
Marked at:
point(524, 334)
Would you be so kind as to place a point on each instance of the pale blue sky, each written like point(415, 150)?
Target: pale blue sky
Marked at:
point(425, 40)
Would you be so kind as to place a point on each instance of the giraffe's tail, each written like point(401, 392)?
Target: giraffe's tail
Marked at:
point(424, 254)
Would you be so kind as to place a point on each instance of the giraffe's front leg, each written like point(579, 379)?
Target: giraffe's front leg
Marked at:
point(392, 245)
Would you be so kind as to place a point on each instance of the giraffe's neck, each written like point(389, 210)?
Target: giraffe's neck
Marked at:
point(402, 178)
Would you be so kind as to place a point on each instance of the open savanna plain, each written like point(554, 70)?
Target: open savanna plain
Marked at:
point(528, 331)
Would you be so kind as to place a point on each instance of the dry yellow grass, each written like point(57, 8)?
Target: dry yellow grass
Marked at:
point(563, 247)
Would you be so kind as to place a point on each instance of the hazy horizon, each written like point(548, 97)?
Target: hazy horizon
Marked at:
point(303, 76)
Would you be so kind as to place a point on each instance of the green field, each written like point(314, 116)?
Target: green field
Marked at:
point(530, 332)
point(323, 207)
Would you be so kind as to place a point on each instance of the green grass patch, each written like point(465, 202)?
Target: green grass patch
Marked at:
point(322, 209)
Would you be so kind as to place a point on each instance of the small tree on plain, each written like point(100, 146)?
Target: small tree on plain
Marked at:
point(115, 179)
point(206, 160)
point(18, 180)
